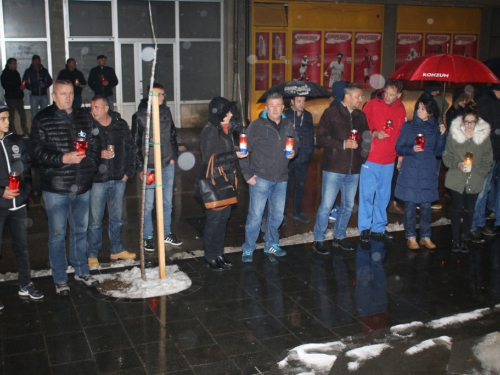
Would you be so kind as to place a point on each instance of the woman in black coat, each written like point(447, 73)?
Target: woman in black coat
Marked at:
point(217, 138)
point(417, 181)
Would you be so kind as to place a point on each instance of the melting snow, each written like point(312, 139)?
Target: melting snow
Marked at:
point(314, 359)
point(361, 355)
point(457, 318)
point(443, 340)
point(406, 330)
point(487, 351)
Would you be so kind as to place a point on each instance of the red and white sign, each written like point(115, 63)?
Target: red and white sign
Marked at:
point(261, 76)
point(465, 45)
point(279, 46)
point(437, 43)
point(306, 56)
point(367, 52)
point(262, 46)
point(337, 59)
point(278, 74)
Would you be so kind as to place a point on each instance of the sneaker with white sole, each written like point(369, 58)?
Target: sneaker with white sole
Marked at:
point(149, 245)
point(247, 256)
point(62, 288)
point(275, 250)
point(31, 291)
point(87, 280)
point(171, 239)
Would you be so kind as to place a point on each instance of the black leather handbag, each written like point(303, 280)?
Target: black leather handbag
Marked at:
point(219, 189)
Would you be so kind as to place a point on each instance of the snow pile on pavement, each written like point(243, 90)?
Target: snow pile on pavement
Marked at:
point(443, 340)
point(364, 353)
point(457, 318)
point(129, 284)
point(487, 351)
point(406, 330)
point(315, 359)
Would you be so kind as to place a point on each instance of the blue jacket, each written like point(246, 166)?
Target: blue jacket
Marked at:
point(305, 133)
point(418, 179)
point(34, 78)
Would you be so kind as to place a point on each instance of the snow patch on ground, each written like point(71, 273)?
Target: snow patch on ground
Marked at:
point(457, 318)
point(487, 351)
point(131, 285)
point(314, 359)
point(363, 354)
point(406, 330)
point(443, 340)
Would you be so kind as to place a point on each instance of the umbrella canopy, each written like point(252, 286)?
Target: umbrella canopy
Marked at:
point(292, 89)
point(494, 65)
point(445, 67)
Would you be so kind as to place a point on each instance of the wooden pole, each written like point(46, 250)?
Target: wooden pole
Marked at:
point(160, 235)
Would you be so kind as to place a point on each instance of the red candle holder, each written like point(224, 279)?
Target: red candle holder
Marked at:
point(420, 141)
point(150, 178)
point(14, 180)
point(388, 128)
point(81, 146)
point(354, 136)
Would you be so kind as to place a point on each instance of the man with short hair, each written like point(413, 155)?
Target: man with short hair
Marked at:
point(14, 158)
point(169, 154)
point(71, 73)
point(336, 69)
point(302, 121)
point(14, 94)
point(37, 79)
point(267, 172)
point(66, 177)
point(117, 166)
point(342, 160)
point(376, 174)
point(102, 79)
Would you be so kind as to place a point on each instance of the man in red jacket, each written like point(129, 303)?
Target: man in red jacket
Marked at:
point(385, 115)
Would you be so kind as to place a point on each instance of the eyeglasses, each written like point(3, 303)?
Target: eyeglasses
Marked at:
point(470, 122)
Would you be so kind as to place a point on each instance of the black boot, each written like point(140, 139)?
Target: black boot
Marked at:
point(463, 246)
point(224, 262)
point(215, 265)
point(455, 246)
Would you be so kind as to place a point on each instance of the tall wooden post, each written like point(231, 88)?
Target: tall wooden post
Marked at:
point(160, 235)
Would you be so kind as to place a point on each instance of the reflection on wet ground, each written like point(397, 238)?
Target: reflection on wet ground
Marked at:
point(244, 320)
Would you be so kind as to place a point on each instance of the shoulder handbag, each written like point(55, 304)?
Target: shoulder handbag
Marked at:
point(220, 190)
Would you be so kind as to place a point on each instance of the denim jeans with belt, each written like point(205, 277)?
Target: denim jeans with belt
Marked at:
point(108, 193)
point(61, 209)
point(332, 183)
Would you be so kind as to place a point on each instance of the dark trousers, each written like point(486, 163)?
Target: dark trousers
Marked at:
point(214, 232)
point(18, 220)
point(297, 176)
point(462, 203)
point(16, 105)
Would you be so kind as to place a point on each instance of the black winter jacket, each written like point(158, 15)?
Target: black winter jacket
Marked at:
point(11, 82)
point(213, 140)
point(334, 128)
point(72, 76)
point(168, 137)
point(488, 106)
point(95, 80)
point(117, 133)
point(13, 157)
point(34, 78)
point(53, 133)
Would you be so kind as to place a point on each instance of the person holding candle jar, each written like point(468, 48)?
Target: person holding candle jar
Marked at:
point(420, 141)
point(15, 185)
point(38, 80)
point(102, 80)
point(71, 73)
point(468, 155)
point(217, 138)
point(14, 94)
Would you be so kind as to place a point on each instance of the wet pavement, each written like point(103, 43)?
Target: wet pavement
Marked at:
point(245, 319)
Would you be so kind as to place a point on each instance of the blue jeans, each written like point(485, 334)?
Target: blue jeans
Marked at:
point(37, 103)
point(410, 220)
point(332, 183)
point(77, 102)
point(60, 210)
point(480, 209)
point(274, 194)
point(167, 174)
point(106, 193)
point(374, 194)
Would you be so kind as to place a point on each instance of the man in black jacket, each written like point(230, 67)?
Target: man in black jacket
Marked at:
point(169, 153)
point(14, 159)
point(37, 79)
point(66, 177)
point(14, 94)
point(102, 79)
point(117, 166)
point(76, 77)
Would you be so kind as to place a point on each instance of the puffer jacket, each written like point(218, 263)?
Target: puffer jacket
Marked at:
point(456, 147)
point(117, 133)
point(334, 128)
point(417, 180)
point(267, 147)
point(168, 137)
point(53, 133)
point(13, 157)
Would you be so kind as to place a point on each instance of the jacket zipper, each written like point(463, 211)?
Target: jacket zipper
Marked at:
point(352, 150)
point(8, 163)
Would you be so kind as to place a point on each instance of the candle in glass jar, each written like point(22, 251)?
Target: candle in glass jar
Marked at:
point(150, 178)
point(388, 127)
point(289, 146)
point(14, 180)
point(77, 82)
point(354, 136)
point(468, 162)
point(420, 141)
point(81, 145)
point(243, 143)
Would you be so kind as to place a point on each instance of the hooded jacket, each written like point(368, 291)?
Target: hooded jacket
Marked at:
point(377, 113)
point(456, 147)
point(488, 107)
point(334, 128)
point(117, 133)
point(267, 143)
point(11, 82)
point(34, 78)
point(13, 157)
point(95, 80)
point(417, 180)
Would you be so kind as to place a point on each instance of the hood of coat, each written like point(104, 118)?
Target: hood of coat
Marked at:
point(481, 131)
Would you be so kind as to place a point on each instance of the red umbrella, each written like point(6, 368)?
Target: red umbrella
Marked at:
point(445, 67)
